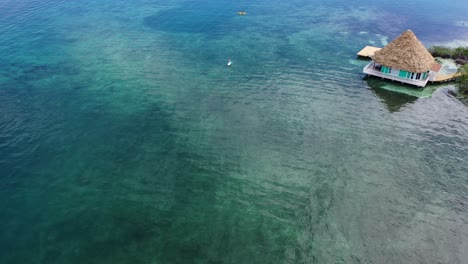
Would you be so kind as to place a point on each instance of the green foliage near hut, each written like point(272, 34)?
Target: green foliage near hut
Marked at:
point(462, 81)
point(439, 51)
point(460, 54)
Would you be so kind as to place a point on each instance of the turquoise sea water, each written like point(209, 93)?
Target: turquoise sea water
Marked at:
point(124, 138)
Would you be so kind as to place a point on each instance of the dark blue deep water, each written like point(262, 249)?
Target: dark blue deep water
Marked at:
point(124, 138)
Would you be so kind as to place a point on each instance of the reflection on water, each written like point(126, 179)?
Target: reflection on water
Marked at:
point(394, 101)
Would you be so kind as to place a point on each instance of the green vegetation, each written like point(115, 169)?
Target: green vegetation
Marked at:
point(462, 82)
point(439, 51)
point(460, 54)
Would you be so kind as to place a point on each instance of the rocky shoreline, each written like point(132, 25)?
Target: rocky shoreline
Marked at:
point(460, 56)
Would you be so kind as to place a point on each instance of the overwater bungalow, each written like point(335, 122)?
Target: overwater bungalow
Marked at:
point(406, 60)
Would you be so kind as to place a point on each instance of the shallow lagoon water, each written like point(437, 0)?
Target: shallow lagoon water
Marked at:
point(124, 138)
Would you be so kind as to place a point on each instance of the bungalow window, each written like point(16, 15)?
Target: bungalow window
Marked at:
point(403, 74)
point(418, 76)
point(412, 75)
point(425, 75)
point(377, 66)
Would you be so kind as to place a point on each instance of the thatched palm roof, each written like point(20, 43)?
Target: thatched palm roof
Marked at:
point(406, 53)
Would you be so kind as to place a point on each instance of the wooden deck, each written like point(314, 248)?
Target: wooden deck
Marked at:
point(368, 51)
point(446, 77)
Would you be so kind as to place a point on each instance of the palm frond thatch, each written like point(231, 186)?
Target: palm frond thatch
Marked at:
point(405, 53)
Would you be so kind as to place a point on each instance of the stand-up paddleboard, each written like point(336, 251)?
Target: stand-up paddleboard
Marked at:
point(229, 62)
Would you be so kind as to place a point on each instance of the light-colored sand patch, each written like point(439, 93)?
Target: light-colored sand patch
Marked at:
point(378, 40)
point(449, 66)
point(383, 39)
